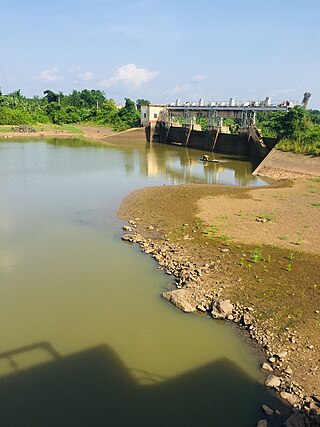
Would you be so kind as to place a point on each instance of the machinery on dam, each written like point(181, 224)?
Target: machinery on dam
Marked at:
point(176, 123)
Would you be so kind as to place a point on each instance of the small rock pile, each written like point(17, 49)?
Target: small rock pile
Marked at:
point(23, 129)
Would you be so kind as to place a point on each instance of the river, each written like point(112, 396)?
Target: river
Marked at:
point(86, 339)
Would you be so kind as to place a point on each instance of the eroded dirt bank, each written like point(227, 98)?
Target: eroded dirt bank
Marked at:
point(101, 133)
point(258, 248)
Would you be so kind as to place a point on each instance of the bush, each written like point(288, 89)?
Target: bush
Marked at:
point(14, 116)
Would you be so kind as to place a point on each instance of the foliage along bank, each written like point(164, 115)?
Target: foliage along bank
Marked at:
point(89, 106)
point(297, 129)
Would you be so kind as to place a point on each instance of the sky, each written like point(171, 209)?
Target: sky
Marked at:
point(162, 50)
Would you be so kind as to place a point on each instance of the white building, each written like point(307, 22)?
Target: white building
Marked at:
point(150, 114)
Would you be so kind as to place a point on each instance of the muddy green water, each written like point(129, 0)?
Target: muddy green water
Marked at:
point(86, 339)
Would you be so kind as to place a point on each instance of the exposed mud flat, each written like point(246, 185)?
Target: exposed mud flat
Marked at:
point(258, 248)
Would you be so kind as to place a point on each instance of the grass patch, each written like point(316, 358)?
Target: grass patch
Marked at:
point(256, 255)
point(283, 237)
point(315, 205)
point(5, 129)
point(42, 127)
point(51, 128)
point(308, 145)
point(224, 238)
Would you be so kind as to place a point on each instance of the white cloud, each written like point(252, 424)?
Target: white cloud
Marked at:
point(131, 76)
point(86, 77)
point(199, 78)
point(178, 89)
point(186, 87)
point(75, 69)
point(50, 75)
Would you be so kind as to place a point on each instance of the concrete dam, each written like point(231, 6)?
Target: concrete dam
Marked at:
point(247, 142)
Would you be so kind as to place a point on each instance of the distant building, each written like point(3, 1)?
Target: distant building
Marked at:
point(150, 114)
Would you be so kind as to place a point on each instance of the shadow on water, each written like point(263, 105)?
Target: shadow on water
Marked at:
point(94, 388)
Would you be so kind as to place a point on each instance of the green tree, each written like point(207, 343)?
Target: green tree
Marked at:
point(140, 102)
point(51, 96)
point(129, 114)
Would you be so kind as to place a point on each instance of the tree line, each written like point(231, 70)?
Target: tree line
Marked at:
point(297, 129)
point(85, 106)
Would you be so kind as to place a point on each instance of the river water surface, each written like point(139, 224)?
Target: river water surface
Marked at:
point(86, 339)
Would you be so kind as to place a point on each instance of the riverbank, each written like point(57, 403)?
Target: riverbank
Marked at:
point(99, 133)
point(258, 248)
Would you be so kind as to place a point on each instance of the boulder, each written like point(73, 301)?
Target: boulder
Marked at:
point(267, 367)
point(272, 381)
point(127, 237)
point(181, 299)
point(246, 319)
point(221, 309)
point(267, 410)
point(291, 398)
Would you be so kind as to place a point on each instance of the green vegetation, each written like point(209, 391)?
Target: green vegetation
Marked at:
point(283, 237)
point(256, 255)
point(266, 216)
point(298, 129)
point(86, 106)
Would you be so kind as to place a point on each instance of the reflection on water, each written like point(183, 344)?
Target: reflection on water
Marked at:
point(69, 283)
point(184, 165)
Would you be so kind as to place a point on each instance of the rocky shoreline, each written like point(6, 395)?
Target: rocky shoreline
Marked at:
point(192, 291)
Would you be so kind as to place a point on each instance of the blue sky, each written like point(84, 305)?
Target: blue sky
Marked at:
point(162, 50)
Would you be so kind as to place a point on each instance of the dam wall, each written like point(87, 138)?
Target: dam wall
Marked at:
point(242, 144)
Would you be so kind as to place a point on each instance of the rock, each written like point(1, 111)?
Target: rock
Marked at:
point(272, 381)
point(267, 410)
point(262, 423)
point(295, 420)
point(281, 355)
point(291, 398)
point(225, 250)
point(23, 128)
point(201, 307)
point(246, 319)
point(288, 371)
point(272, 359)
point(180, 298)
point(259, 219)
point(267, 367)
point(127, 228)
point(128, 238)
point(150, 227)
point(221, 309)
